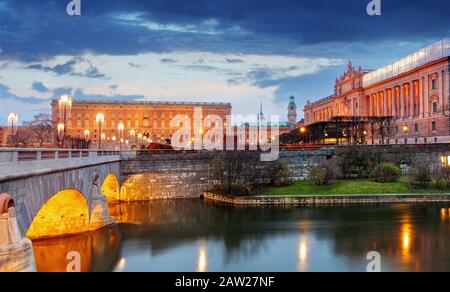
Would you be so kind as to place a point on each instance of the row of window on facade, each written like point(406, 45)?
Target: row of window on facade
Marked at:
point(129, 124)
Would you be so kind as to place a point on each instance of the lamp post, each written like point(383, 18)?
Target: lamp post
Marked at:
point(100, 118)
point(13, 123)
point(139, 140)
point(120, 129)
point(61, 130)
point(132, 136)
point(65, 108)
point(87, 133)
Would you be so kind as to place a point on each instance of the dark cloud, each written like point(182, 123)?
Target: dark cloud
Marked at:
point(234, 61)
point(68, 69)
point(137, 66)
point(39, 87)
point(37, 31)
point(168, 61)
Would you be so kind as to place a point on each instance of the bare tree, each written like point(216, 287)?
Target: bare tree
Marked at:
point(41, 126)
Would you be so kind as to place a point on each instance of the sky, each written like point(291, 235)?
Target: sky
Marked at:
point(238, 51)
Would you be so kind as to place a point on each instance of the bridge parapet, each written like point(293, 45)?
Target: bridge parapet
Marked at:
point(19, 163)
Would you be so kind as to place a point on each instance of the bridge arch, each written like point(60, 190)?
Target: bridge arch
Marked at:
point(66, 212)
point(111, 188)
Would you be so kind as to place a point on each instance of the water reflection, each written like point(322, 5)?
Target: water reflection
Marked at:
point(197, 236)
point(98, 251)
point(302, 255)
point(202, 264)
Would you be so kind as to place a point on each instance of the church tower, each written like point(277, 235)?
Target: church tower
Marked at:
point(292, 113)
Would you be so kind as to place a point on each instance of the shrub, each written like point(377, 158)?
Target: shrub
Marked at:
point(420, 176)
point(279, 176)
point(386, 172)
point(237, 190)
point(443, 179)
point(359, 162)
point(324, 172)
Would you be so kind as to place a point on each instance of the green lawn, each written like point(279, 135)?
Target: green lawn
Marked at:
point(345, 187)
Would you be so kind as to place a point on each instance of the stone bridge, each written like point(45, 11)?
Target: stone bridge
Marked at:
point(40, 181)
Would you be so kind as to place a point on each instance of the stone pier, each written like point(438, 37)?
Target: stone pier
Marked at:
point(16, 251)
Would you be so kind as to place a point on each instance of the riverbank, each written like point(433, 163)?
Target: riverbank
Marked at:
point(349, 187)
point(318, 200)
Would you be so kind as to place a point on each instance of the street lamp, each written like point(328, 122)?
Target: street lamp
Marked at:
point(61, 131)
point(139, 140)
point(405, 129)
point(86, 135)
point(65, 108)
point(13, 123)
point(132, 136)
point(100, 119)
point(120, 129)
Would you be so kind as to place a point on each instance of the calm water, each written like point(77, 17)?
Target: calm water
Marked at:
point(197, 236)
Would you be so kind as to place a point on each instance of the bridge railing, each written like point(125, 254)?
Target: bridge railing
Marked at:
point(11, 155)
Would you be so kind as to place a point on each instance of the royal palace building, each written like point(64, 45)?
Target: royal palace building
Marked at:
point(414, 91)
point(146, 120)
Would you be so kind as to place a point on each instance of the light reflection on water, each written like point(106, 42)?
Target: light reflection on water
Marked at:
point(198, 236)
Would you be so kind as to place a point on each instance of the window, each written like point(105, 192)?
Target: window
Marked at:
point(425, 140)
point(416, 128)
point(434, 84)
point(435, 107)
point(433, 126)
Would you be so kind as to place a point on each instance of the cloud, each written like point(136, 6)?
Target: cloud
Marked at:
point(68, 68)
point(168, 61)
point(5, 94)
point(234, 61)
point(39, 87)
point(81, 95)
point(37, 32)
point(133, 65)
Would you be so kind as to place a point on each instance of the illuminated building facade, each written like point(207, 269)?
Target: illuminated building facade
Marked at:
point(415, 91)
point(149, 120)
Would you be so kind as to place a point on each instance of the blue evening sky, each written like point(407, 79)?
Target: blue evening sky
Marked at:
point(237, 51)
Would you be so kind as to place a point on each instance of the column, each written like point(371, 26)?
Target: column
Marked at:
point(426, 97)
point(370, 105)
point(385, 108)
point(393, 102)
point(441, 81)
point(421, 97)
point(402, 101)
point(411, 99)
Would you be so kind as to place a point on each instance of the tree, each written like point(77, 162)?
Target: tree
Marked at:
point(41, 126)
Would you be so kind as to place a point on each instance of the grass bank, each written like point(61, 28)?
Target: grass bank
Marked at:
point(347, 187)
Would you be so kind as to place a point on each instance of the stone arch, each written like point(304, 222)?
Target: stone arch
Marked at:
point(111, 188)
point(65, 213)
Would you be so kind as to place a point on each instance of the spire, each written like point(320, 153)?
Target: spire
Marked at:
point(261, 108)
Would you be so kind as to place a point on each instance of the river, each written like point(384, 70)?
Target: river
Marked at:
point(192, 235)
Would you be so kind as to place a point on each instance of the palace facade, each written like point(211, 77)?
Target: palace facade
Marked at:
point(414, 91)
point(149, 120)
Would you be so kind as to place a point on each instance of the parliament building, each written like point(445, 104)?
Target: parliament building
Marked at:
point(414, 92)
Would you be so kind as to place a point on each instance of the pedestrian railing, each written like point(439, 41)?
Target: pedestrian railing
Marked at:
point(8, 155)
